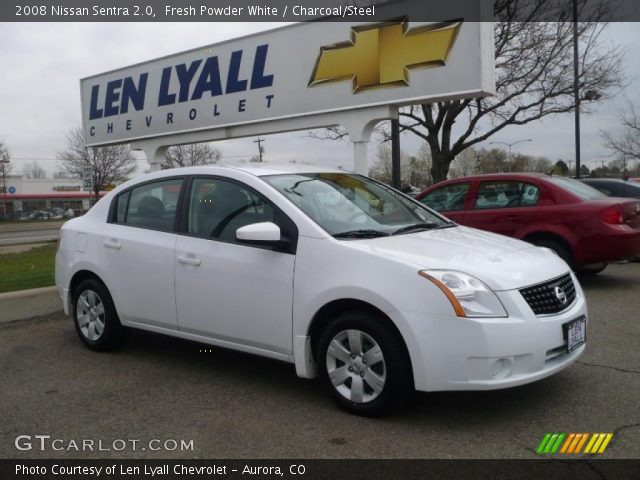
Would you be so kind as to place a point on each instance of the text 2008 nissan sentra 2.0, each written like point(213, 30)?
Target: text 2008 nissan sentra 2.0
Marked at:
point(331, 271)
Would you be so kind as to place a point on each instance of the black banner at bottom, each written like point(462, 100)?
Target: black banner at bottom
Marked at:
point(320, 469)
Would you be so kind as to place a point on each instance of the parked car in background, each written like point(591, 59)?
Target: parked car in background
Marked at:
point(583, 226)
point(614, 187)
point(333, 272)
point(40, 215)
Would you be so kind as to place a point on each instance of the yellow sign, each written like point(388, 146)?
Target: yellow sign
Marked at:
point(380, 55)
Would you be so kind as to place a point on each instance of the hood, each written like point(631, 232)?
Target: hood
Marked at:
point(501, 262)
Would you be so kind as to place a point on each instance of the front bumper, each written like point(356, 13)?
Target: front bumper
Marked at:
point(453, 353)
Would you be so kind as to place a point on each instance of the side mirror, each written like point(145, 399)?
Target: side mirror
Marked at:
point(264, 233)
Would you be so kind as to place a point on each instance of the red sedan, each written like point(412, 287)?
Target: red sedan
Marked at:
point(583, 226)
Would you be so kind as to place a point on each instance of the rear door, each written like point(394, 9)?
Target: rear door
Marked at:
point(503, 206)
point(138, 252)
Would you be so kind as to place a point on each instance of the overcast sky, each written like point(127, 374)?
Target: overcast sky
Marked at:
point(42, 64)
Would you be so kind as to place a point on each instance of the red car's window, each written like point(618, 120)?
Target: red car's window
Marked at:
point(447, 199)
point(506, 194)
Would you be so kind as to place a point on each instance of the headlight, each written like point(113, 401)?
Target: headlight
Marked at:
point(469, 296)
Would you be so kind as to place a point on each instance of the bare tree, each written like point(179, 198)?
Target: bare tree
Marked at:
point(191, 155)
point(33, 170)
point(413, 168)
point(534, 79)
point(111, 164)
point(5, 157)
point(626, 141)
point(465, 164)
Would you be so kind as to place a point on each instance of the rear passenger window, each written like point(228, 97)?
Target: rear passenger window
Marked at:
point(153, 205)
point(506, 194)
point(217, 208)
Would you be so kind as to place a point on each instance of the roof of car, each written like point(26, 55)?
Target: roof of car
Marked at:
point(493, 176)
point(256, 169)
point(262, 169)
point(599, 180)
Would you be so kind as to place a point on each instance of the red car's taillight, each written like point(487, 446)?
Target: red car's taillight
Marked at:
point(613, 216)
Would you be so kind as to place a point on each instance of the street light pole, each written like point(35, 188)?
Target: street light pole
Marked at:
point(509, 145)
point(576, 86)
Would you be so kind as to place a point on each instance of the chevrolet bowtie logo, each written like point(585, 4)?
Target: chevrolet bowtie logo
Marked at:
point(380, 55)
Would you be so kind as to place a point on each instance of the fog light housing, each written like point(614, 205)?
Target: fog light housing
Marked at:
point(501, 368)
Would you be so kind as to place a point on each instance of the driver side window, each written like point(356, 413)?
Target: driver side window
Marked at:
point(217, 208)
point(449, 198)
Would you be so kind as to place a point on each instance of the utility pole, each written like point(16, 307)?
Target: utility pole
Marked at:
point(4, 188)
point(396, 181)
point(576, 85)
point(259, 142)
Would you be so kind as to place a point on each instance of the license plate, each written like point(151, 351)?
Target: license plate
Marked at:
point(575, 332)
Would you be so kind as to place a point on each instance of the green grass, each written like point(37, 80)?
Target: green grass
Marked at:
point(32, 269)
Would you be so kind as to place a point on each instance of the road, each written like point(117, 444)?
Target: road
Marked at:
point(16, 233)
point(239, 406)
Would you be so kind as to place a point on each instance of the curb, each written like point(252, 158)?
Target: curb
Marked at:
point(26, 304)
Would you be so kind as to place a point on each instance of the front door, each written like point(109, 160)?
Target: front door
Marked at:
point(227, 290)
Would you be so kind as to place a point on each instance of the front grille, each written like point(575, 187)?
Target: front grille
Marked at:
point(544, 299)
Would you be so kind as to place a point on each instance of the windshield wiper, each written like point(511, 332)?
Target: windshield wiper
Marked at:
point(416, 227)
point(361, 234)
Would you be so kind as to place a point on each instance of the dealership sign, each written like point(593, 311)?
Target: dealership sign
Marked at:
point(295, 71)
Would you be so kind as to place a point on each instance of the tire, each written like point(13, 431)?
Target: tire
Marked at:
point(95, 318)
point(345, 347)
point(594, 269)
point(563, 251)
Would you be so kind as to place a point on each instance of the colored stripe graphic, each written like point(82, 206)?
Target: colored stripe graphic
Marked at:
point(550, 443)
point(581, 443)
point(598, 442)
point(543, 443)
point(573, 443)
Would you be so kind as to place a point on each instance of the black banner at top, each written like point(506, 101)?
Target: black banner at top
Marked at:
point(315, 10)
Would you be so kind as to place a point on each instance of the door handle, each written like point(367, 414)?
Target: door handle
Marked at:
point(113, 243)
point(514, 218)
point(189, 260)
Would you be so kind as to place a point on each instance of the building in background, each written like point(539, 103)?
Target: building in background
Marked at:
point(31, 194)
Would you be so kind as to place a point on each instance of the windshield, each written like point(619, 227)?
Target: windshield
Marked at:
point(348, 205)
point(585, 192)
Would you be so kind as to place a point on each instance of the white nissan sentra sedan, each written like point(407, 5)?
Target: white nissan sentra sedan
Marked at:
point(336, 273)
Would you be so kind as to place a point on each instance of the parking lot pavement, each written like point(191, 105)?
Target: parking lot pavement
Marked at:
point(238, 406)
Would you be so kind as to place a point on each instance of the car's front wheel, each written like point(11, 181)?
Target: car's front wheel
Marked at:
point(364, 364)
point(95, 317)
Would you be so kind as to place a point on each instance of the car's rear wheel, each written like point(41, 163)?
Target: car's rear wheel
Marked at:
point(364, 364)
point(95, 317)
